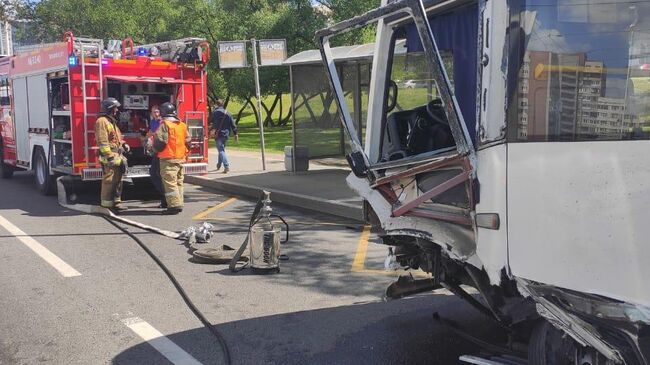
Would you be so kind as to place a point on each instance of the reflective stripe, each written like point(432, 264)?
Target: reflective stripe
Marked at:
point(172, 193)
point(104, 149)
point(107, 204)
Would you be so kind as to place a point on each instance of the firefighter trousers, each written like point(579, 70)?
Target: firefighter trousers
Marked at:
point(172, 179)
point(111, 186)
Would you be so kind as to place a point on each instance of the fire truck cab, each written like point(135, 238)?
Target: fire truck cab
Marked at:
point(50, 98)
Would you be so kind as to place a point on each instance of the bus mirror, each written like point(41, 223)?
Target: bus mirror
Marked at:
point(357, 164)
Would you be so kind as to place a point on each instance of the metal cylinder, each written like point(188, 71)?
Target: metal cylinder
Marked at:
point(264, 243)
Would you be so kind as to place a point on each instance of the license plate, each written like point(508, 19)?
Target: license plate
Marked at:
point(137, 171)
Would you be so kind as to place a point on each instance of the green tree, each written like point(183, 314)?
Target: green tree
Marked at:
point(143, 20)
point(340, 10)
point(227, 20)
point(216, 20)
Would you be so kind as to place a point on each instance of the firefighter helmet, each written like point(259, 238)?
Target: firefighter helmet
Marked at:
point(168, 110)
point(108, 105)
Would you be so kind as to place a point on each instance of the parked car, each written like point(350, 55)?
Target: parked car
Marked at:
point(409, 84)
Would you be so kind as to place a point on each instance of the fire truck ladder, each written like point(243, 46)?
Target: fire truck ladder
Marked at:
point(89, 47)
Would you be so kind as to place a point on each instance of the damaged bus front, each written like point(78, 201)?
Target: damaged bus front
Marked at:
point(505, 149)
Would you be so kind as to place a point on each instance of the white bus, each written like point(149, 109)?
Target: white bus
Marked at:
point(516, 169)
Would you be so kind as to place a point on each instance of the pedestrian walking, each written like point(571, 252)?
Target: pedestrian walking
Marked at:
point(111, 147)
point(221, 124)
point(154, 169)
point(172, 145)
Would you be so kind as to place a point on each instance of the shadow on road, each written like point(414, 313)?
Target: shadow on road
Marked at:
point(398, 332)
point(27, 198)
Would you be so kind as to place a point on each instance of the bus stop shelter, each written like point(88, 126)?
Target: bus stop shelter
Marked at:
point(315, 119)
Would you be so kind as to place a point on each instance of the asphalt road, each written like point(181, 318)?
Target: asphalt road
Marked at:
point(114, 305)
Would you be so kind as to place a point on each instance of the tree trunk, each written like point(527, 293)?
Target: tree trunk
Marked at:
point(268, 120)
point(311, 112)
point(326, 117)
point(286, 120)
point(225, 103)
point(280, 118)
point(239, 113)
point(257, 119)
point(269, 112)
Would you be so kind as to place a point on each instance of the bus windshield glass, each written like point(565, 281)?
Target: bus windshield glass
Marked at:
point(578, 70)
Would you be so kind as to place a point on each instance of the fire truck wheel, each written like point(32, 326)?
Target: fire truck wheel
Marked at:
point(6, 171)
point(44, 181)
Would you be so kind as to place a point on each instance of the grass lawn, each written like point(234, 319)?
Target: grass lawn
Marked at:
point(275, 138)
point(321, 140)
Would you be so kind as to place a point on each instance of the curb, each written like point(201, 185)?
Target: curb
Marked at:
point(339, 209)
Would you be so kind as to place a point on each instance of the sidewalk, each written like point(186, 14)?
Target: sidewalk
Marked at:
point(322, 188)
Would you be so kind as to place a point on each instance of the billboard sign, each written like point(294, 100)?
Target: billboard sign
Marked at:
point(273, 52)
point(232, 54)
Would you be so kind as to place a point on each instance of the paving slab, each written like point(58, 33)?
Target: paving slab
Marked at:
point(323, 188)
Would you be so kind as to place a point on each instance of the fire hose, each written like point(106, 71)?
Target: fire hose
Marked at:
point(112, 219)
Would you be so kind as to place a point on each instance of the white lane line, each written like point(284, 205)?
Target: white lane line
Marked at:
point(47, 255)
point(161, 343)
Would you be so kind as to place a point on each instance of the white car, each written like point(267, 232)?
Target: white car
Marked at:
point(409, 84)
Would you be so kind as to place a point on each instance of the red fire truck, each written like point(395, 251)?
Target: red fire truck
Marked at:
point(50, 98)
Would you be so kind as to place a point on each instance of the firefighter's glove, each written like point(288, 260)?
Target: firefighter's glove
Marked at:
point(126, 148)
point(112, 161)
point(123, 165)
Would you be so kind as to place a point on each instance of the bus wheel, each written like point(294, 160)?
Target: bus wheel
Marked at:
point(550, 346)
point(44, 181)
point(6, 171)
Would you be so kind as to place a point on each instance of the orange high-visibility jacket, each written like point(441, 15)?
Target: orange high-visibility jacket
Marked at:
point(176, 148)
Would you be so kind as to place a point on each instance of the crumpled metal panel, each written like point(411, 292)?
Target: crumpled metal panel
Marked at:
point(458, 241)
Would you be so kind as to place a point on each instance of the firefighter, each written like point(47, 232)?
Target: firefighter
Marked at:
point(111, 149)
point(172, 145)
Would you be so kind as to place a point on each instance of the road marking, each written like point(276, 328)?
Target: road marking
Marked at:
point(205, 213)
point(164, 345)
point(66, 270)
point(359, 262)
point(312, 224)
point(360, 257)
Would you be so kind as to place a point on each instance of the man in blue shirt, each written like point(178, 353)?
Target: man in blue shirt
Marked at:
point(221, 124)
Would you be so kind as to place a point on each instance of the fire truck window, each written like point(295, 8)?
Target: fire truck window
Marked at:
point(583, 72)
point(4, 92)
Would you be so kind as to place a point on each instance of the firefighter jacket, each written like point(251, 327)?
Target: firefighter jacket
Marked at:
point(172, 141)
point(109, 139)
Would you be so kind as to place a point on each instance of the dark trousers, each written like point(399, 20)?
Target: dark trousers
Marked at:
point(154, 174)
point(221, 147)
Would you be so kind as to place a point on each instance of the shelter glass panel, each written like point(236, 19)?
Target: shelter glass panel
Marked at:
point(317, 124)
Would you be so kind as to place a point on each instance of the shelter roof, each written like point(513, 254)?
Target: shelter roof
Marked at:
point(343, 53)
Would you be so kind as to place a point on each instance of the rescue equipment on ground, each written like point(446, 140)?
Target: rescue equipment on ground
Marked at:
point(198, 234)
point(263, 239)
point(197, 238)
point(66, 201)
